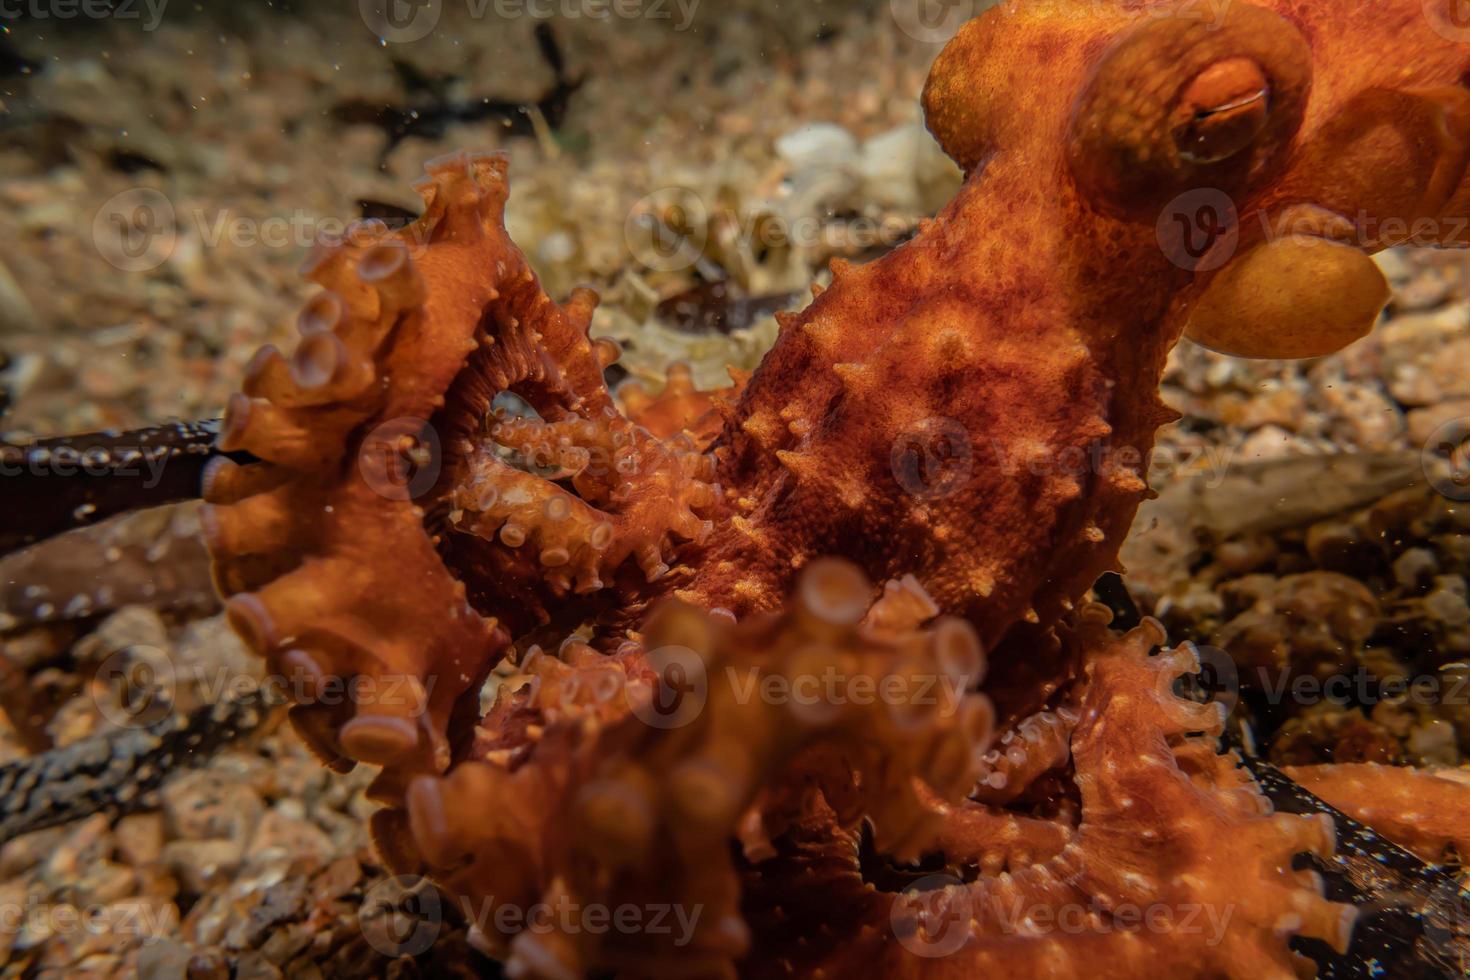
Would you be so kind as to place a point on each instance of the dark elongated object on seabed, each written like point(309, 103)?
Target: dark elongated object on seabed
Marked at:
point(54, 485)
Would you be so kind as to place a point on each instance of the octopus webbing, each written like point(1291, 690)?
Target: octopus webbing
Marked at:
point(916, 489)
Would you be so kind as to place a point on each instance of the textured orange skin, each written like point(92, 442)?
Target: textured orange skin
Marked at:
point(1166, 824)
point(1422, 810)
point(1025, 329)
point(1036, 316)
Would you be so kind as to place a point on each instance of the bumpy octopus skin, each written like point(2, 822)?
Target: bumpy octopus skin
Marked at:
point(966, 419)
point(1167, 827)
point(1425, 811)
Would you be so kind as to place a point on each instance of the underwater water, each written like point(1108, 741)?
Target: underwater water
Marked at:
point(676, 487)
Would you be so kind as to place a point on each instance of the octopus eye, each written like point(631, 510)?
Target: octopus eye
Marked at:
point(1222, 111)
point(1180, 103)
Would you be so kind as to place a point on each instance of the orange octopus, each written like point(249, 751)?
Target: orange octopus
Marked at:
point(967, 420)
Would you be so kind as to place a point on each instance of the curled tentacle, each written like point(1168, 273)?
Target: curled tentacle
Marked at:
point(688, 736)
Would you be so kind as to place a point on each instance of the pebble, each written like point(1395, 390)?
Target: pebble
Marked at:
point(200, 864)
point(163, 959)
point(1371, 419)
point(1423, 422)
point(1267, 443)
point(140, 838)
point(1426, 289)
point(824, 145)
point(1413, 567)
point(1447, 602)
point(206, 804)
point(279, 903)
point(302, 844)
point(1423, 354)
point(1435, 743)
point(126, 629)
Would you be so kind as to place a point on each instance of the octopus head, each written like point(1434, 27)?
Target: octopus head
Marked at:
point(1270, 147)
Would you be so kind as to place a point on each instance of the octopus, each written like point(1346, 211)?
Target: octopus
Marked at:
point(577, 626)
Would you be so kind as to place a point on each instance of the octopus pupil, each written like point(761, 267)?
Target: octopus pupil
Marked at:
point(1225, 108)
